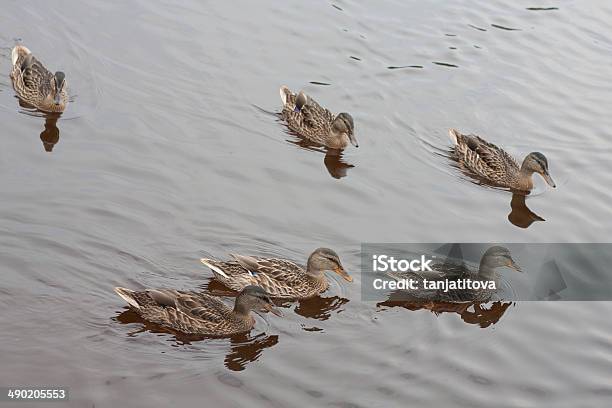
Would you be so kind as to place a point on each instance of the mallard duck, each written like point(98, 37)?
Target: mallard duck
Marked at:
point(308, 119)
point(495, 166)
point(493, 258)
point(35, 85)
point(198, 313)
point(279, 277)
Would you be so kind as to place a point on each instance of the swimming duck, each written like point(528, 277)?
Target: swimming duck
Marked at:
point(279, 277)
point(35, 85)
point(493, 258)
point(308, 119)
point(494, 165)
point(198, 313)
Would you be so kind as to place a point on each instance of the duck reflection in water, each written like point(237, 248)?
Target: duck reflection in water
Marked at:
point(244, 348)
point(521, 215)
point(333, 160)
point(480, 314)
point(316, 307)
point(50, 135)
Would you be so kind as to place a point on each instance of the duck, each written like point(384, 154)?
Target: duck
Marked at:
point(199, 313)
point(36, 85)
point(494, 257)
point(316, 124)
point(494, 166)
point(280, 278)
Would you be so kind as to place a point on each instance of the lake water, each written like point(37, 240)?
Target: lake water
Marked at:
point(164, 157)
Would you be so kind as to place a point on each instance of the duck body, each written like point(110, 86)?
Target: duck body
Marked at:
point(314, 123)
point(36, 85)
point(197, 313)
point(494, 166)
point(493, 258)
point(281, 278)
point(449, 272)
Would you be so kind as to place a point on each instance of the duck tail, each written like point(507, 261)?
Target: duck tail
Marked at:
point(455, 135)
point(128, 296)
point(216, 270)
point(17, 51)
point(284, 94)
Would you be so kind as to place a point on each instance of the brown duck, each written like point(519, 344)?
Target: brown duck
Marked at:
point(198, 313)
point(279, 277)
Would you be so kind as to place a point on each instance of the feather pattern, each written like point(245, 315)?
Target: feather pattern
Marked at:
point(34, 84)
point(311, 121)
point(485, 160)
point(279, 277)
point(187, 312)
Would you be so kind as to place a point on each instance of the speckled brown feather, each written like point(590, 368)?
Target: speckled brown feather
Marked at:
point(33, 83)
point(192, 312)
point(486, 160)
point(312, 121)
point(279, 277)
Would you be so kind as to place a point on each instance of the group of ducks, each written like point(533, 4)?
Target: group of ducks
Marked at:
point(258, 280)
point(40, 88)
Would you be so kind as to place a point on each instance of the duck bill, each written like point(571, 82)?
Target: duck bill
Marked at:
point(549, 180)
point(58, 98)
point(340, 271)
point(513, 265)
point(353, 139)
point(272, 309)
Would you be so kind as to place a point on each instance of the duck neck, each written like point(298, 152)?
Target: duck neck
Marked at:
point(313, 272)
point(241, 308)
point(525, 181)
point(486, 271)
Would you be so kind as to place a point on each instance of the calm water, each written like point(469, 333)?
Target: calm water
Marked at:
point(164, 157)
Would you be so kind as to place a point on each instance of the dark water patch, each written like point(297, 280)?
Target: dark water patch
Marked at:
point(312, 329)
point(501, 27)
point(450, 35)
point(320, 83)
point(542, 8)
point(405, 66)
point(445, 64)
point(355, 58)
point(477, 28)
point(337, 7)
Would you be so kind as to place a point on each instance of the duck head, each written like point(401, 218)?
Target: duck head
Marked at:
point(59, 85)
point(255, 298)
point(300, 100)
point(536, 162)
point(497, 257)
point(325, 259)
point(343, 125)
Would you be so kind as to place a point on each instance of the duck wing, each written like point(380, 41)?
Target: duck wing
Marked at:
point(484, 158)
point(494, 157)
point(276, 276)
point(201, 306)
point(35, 75)
point(315, 116)
point(271, 271)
